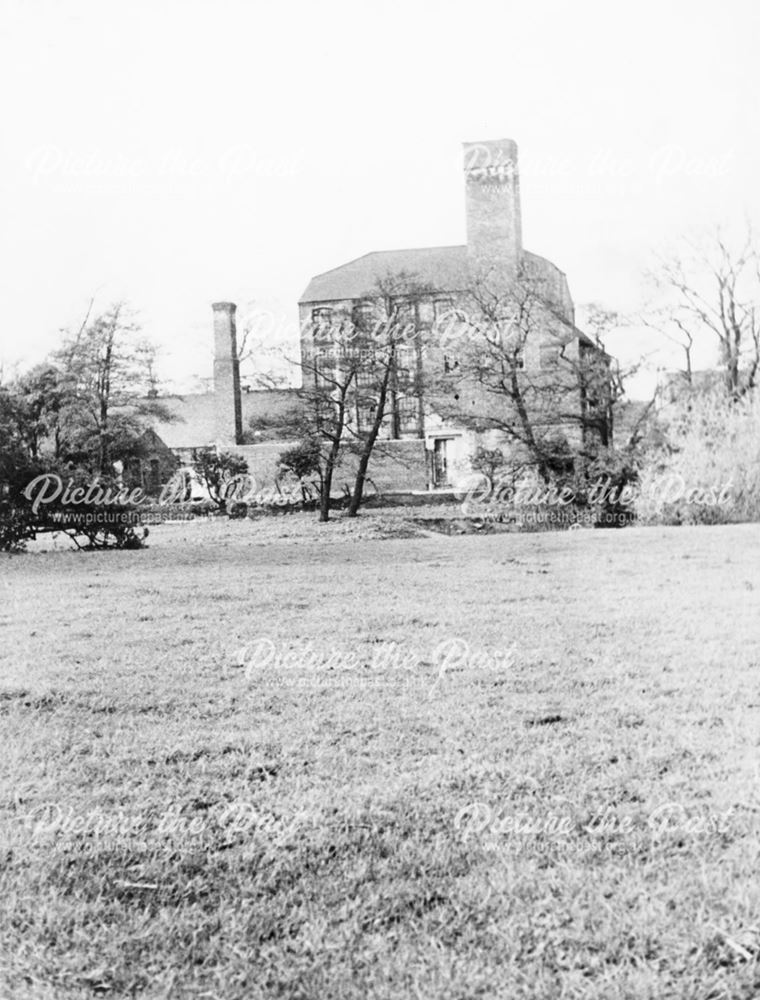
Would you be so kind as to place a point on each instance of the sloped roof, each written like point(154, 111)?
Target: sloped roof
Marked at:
point(445, 268)
point(195, 426)
point(442, 267)
point(272, 407)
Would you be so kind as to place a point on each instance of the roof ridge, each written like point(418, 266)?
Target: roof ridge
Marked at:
point(445, 246)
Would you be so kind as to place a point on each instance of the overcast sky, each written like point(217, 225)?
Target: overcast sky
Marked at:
point(174, 153)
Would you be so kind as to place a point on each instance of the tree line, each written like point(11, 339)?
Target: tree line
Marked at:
point(498, 360)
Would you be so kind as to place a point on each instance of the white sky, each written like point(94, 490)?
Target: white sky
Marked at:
point(176, 152)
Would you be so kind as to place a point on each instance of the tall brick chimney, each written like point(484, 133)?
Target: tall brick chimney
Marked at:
point(492, 191)
point(227, 405)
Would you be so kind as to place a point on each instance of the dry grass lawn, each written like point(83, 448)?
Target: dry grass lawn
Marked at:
point(280, 759)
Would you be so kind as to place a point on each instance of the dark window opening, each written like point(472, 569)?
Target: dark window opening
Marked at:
point(322, 319)
point(362, 316)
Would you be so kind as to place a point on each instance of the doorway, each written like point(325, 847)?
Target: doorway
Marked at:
point(441, 463)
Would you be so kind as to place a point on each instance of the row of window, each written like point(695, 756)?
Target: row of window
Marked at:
point(407, 415)
point(363, 315)
point(364, 361)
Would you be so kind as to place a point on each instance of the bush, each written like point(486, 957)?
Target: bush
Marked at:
point(303, 460)
point(91, 525)
point(707, 470)
point(219, 472)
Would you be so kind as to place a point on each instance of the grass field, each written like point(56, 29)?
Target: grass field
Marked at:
point(303, 761)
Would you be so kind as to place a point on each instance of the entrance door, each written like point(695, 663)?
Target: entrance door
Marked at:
point(440, 463)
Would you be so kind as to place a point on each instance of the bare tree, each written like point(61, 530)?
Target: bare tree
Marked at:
point(261, 344)
point(329, 367)
point(521, 369)
point(360, 369)
point(710, 292)
point(391, 372)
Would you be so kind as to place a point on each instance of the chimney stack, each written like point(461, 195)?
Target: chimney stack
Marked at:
point(227, 404)
point(492, 191)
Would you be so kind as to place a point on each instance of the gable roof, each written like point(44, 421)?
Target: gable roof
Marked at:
point(444, 268)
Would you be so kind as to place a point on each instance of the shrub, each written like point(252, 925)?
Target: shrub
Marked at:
point(91, 525)
point(707, 470)
point(302, 461)
point(218, 471)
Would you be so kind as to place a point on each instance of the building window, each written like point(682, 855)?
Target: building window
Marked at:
point(324, 368)
point(404, 320)
point(362, 316)
point(365, 416)
point(549, 354)
point(450, 323)
point(366, 378)
point(407, 414)
point(322, 320)
point(425, 312)
point(406, 366)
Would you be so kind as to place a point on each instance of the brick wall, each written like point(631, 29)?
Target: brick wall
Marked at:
point(263, 460)
point(395, 465)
